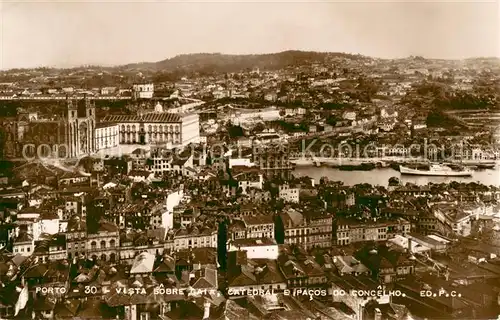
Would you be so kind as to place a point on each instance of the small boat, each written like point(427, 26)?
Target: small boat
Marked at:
point(437, 171)
point(480, 164)
point(486, 165)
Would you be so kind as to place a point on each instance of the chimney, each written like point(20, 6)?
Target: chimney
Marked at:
point(206, 313)
point(378, 314)
point(409, 245)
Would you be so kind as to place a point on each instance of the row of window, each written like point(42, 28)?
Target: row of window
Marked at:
point(107, 131)
point(21, 249)
point(155, 128)
point(112, 244)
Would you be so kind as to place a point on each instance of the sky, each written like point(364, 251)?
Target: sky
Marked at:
point(70, 33)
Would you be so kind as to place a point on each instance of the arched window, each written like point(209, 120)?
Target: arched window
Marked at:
point(170, 129)
point(93, 245)
point(103, 244)
point(149, 128)
point(112, 243)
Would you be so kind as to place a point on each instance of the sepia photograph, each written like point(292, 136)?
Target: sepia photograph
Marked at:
point(249, 160)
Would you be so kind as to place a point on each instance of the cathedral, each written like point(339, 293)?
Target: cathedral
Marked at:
point(68, 135)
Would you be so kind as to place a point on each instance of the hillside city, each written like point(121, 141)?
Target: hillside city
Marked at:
point(295, 185)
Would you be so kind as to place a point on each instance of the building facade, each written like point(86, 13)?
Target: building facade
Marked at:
point(143, 91)
point(69, 135)
point(106, 136)
point(349, 231)
point(167, 129)
point(307, 230)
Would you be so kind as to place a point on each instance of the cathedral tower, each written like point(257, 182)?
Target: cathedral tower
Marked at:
point(72, 128)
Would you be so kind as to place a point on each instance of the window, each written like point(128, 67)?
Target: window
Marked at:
point(93, 245)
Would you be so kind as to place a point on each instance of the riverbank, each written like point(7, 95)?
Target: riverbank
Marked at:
point(381, 176)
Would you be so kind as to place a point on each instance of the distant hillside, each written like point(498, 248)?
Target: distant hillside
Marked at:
point(217, 62)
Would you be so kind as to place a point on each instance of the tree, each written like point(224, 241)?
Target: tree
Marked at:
point(235, 131)
point(221, 244)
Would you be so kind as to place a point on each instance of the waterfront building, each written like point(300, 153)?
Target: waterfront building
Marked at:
point(273, 160)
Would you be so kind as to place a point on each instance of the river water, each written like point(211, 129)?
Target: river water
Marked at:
point(381, 176)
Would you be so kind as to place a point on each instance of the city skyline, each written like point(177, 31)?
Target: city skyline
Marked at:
point(67, 34)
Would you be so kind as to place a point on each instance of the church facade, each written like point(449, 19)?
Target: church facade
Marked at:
point(69, 135)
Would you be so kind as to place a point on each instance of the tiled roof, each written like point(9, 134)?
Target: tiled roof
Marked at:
point(146, 118)
point(261, 219)
point(104, 125)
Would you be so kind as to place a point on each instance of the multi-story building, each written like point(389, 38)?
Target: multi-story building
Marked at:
point(349, 231)
point(289, 193)
point(106, 136)
point(302, 273)
point(257, 227)
point(255, 248)
point(71, 134)
point(247, 177)
point(76, 234)
point(103, 243)
point(456, 220)
point(166, 129)
point(195, 237)
point(308, 229)
point(23, 245)
point(273, 160)
point(143, 91)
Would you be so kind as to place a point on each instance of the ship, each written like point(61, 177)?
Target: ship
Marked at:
point(437, 171)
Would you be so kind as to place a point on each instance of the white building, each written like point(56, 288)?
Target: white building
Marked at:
point(407, 243)
point(23, 245)
point(49, 223)
point(349, 115)
point(240, 162)
point(246, 183)
point(173, 200)
point(167, 129)
point(143, 91)
point(194, 237)
point(190, 128)
point(106, 136)
point(288, 193)
point(256, 248)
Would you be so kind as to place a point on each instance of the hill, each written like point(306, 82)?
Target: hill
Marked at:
point(217, 62)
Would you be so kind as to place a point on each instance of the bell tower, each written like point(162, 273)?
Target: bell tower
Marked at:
point(90, 115)
point(72, 127)
point(72, 110)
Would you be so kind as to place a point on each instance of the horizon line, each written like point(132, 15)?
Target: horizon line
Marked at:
point(84, 65)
